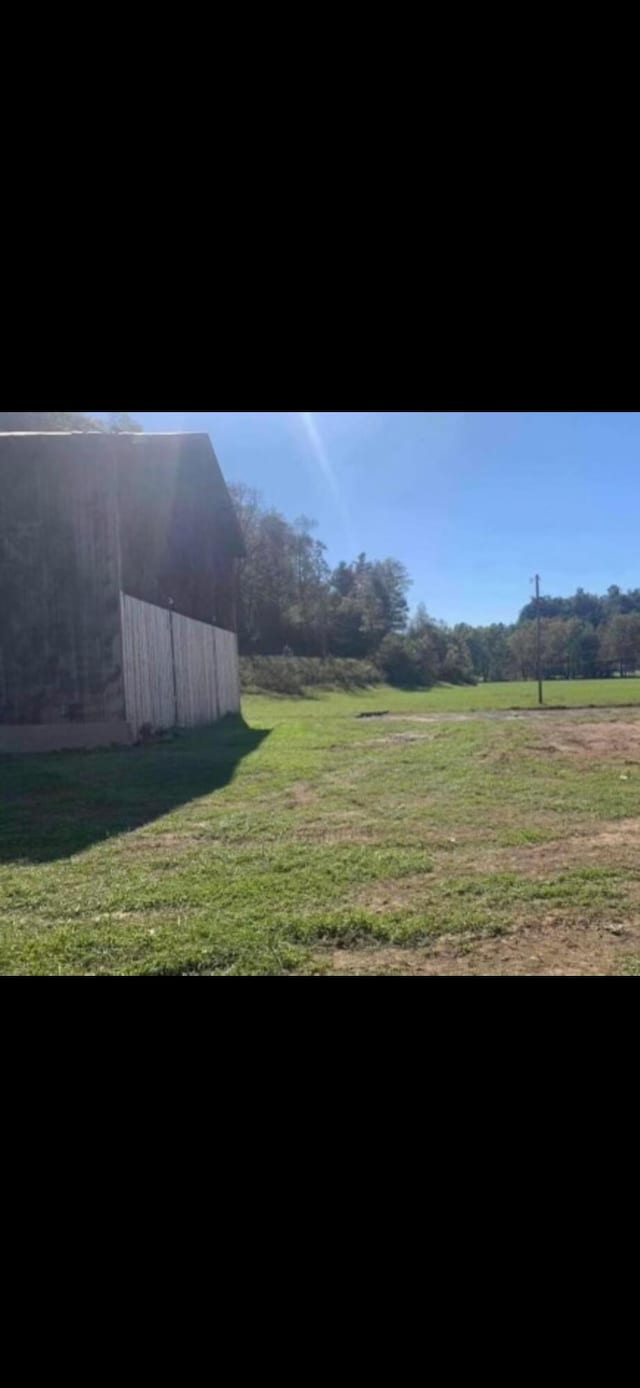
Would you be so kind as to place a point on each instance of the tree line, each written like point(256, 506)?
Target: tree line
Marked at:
point(291, 601)
point(584, 636)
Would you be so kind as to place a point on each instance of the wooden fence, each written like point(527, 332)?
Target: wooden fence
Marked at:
point(177, 671)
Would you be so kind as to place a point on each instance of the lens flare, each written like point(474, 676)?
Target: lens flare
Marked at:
point(321, 456)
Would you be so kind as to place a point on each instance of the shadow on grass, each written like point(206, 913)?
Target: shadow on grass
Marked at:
point(57, 805)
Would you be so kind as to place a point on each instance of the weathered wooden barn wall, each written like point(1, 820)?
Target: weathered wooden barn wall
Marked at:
point(90, 525)
point(179, 534)
point(60, 641)
point(177, 670)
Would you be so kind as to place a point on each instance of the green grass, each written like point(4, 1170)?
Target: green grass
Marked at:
point(258, 846)
point(475, 698)
point(556, 693)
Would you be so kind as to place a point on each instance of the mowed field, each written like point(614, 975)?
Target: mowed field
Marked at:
point(461, 832)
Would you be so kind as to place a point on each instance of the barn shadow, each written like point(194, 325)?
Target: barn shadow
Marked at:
point(58, 805)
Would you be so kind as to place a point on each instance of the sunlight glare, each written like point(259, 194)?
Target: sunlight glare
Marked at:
point(321, 456)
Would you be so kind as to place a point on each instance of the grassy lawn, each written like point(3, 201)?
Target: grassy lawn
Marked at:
point(470, 698)
point(304, 838)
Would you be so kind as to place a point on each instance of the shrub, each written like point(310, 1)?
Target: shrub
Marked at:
point(399, 662)
point(287, 674)
point(415, 662)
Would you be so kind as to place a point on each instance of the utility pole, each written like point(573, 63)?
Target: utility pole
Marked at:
point(538, 671)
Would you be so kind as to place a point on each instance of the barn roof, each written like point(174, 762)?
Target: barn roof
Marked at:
point(169, 449)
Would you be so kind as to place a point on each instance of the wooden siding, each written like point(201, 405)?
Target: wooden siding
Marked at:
point(60, 650)
point(176, 669)
point(194, 646)
point(228, 667)
point(146, 658)
point(179, 534)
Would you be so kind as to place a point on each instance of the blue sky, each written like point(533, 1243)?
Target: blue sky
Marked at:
point(473, 504)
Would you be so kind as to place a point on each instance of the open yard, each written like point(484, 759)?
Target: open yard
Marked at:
point(451, 835)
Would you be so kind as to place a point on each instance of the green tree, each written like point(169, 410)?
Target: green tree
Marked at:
point(620, 642)
point(474, 640)
point(368, 602)
point(457, 667)
point(307, 617)
point(499, 662)
point(522, 648)
point(399, 661)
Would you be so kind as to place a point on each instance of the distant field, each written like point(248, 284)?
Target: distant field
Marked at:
point(469, 698)
point(306, 839)
point(567, 693)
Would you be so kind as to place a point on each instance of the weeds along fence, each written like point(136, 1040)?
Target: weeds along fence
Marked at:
point(285, 674)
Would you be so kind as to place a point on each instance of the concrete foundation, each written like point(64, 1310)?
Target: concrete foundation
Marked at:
point(19, 738)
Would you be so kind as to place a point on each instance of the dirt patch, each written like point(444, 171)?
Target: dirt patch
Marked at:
point(551, 947)
point(301, 794)
point(615, 844)
point(542, 717)
point(386, 897)
point(397, 738)
point(618, 832)
point(441, 717)
point(603, 737)
point(605, 740)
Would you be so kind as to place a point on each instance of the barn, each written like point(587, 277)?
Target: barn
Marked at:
point(118, 571)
